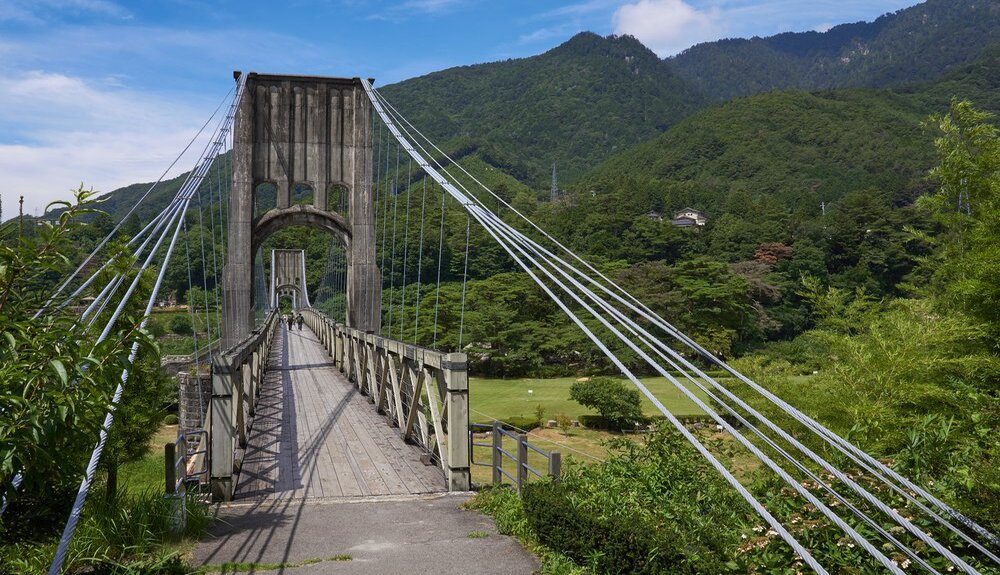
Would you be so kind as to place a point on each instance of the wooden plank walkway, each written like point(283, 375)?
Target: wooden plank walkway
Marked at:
point(315, 435)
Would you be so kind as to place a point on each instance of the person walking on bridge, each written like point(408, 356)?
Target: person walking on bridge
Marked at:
point(300, 319)
point(291, 321)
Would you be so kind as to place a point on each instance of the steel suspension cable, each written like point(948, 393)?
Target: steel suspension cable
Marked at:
point(178, 217)
point(406, 247)
point(465, 281)
point(191, 304)
point(497, 228)
point(437, 291)
point(644, 339)
point(204, 274)
point(392, 259)
point(843, 446)
point(131, 210)
point(411, 152)
point(420, 259)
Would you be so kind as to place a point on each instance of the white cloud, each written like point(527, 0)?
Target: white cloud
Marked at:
point(70, 131)
point(41, 11)
point(668, 26)
point(824, 27)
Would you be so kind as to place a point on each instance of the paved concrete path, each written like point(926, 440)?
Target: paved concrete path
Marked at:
point(423, 535)
point(315, 435)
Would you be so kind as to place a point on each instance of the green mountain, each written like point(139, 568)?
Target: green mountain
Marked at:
point(572, 106)
point(913, 45)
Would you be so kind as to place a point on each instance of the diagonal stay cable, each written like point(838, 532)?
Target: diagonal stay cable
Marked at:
point(866, 461)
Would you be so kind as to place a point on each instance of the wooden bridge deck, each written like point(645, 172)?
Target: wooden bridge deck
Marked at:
point(315, 435)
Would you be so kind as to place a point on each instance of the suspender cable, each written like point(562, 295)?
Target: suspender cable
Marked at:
point(406, 247)
point(185, 194)
point(385, 228)
point(392, 259)
point(131, 210)
point(204, 275)
point(465, 281)
point(881, 471)
point(191, 304)
point(437, 291)
point(378, 188)
point(215, 262)
point(500, 225)
point(420, 259)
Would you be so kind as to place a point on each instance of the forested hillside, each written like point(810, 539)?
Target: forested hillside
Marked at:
point(572, 106)
point(910, 46)
point(793, 183)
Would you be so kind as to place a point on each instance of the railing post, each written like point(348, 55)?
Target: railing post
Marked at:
point(340, 349)
point(170, 469)
point(522, 461)
point(454, 367)
point(254, 380)
point(497, 455)
point(181, 476)
point(222, 429)
point(242, 375)
point(555, 465)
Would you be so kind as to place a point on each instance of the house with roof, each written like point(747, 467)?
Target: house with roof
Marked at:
point(689, 217)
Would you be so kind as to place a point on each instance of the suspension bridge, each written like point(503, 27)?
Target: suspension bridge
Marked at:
point(367, 398)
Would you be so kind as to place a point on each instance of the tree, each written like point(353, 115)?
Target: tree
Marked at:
point(137, 418)
point(181, 325)
point(55, 381)
point(967, 206)
point(616, 402)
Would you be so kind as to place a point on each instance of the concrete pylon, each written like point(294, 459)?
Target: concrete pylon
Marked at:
point(302, 131)
point(288, 274)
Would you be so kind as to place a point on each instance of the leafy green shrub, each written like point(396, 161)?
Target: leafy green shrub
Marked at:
point(520, 424)
point(651, 508)
point(181, 325)
point(564, 422)
point(156, 328)
point(171, 419)
point(559, 524)
point(540, 414)
point(619, 404)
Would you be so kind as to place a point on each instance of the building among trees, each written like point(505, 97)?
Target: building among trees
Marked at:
point(689, 217)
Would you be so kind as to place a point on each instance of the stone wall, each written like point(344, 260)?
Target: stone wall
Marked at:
point(192, 401)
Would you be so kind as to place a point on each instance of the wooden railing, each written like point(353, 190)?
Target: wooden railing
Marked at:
point(424, 393)
point(236, 379)
point(519, 457)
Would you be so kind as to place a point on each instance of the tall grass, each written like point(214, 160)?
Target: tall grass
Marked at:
point(130, 535)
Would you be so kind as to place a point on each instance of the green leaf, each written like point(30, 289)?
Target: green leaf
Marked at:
point(60, 370)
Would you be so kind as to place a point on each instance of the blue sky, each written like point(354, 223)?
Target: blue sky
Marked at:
point(106, 92)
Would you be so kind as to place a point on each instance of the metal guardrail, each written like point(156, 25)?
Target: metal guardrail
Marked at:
point(178, 458)
point(519, 459)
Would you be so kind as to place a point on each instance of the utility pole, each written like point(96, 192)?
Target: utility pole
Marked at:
point(822, 206)
point(20, 218)
point(554, 192)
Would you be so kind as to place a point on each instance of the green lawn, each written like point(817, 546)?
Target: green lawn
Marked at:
point(147, 474)
point(173, 344)
point(501, 398)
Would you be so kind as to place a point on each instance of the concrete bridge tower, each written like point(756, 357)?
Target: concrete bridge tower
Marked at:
point(294, 135)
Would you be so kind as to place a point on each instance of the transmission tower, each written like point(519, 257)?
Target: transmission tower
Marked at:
point(554, 192)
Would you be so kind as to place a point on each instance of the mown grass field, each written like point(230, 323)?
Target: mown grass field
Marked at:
point(502, 398)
